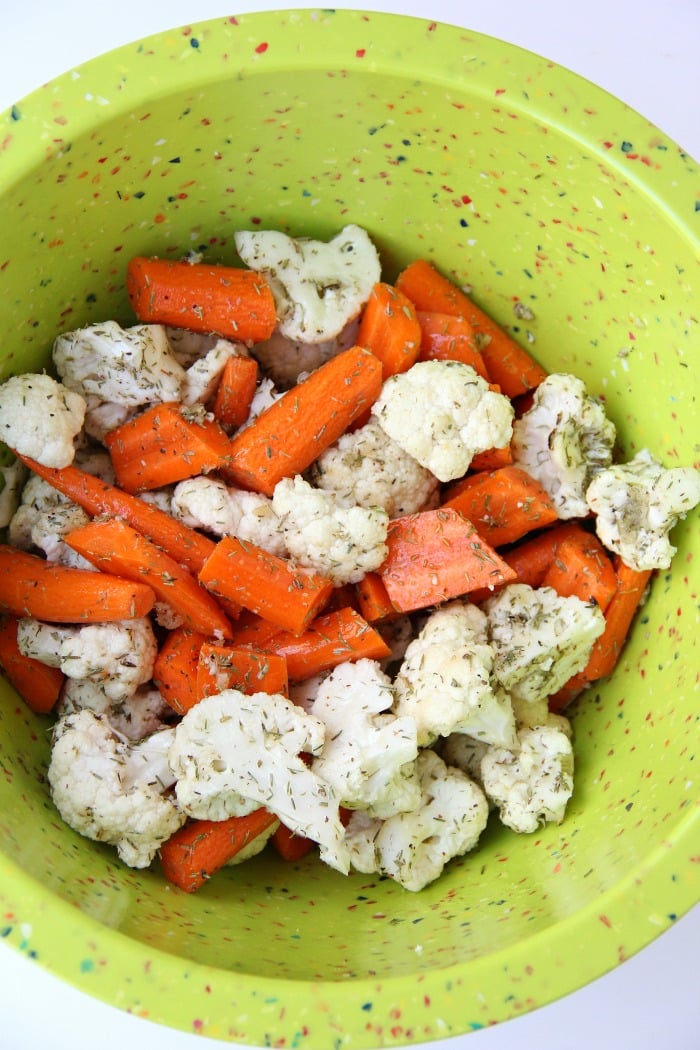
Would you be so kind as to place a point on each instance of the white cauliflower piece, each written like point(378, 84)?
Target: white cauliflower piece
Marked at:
point(465, 752)
point(563, 441)
point(255, 846)
point(111, 791)
point(305, 692)
point(103, 416)
point(188, 346)
point(442, 413)
point(40, 418)
point(12, 480)
point(446, 682)
point(539, 638)
point(135, 717)
point(38, 498)
point(285, 361)
point(413, 848)
point(207, 503)
point(203, 375)
point(118, 656)
point(366, 467)
point(266, 393)
point(49, 528)
point(233, 753)
point(637, 504)
point(318, 286)
point(531, 784)
point(340, 542)
point(369, 755)
point(122, 366)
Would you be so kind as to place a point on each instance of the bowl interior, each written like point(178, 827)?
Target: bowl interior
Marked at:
point(528, 183)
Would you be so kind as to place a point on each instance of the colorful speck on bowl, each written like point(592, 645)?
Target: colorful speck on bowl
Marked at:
point(527, 182)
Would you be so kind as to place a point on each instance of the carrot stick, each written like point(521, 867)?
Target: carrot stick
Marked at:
point(235, 392)
point(436, 555)
point(507, 363)
point(235, 303)
point(223, 667)
point(164, 444)
point(289, 845)
point(38, 684)
point(583, 568)
point(113, 546)
point(390, 329)
point(252, 630)
point(97, 497)
point(373, 600)
point(447, 337)
point(31, 586)
point(175, 668)
point(503, 505)
point(199, 849)
point(569, 692)
point(631, 586)
point(491, 459)
point(288, 436)
point(270, 586)
point(329, 640)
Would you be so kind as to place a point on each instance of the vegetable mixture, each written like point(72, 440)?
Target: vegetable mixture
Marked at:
point(307, 560)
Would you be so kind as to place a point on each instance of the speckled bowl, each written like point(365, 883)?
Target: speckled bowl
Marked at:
point(528, 182)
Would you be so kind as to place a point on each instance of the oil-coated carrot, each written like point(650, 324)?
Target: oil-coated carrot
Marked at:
point(199, 849)
point(112, 545)
point(164, 444)
point(582, 568)
point(390, 329)
point(491, 459)
point(503, 505)
point(38, 684)
point(447, 337)
point(31, 586)
point(436, 555)
point(251, 629)
point(175, 669)
point(223, 667)
point(235, 392)
point(270, 586)
point(373, 599)
point(288, 436)
point(631, 587)
point(289, 845)
point(331, 639)
point(235, 303)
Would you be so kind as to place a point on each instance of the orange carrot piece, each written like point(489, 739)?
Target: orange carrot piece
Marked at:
point(270, 586)
point(223, 667)
point(631, 586)
point(491, 459)
point(164, 444)
point(97, 497)
point(507, 363)
point(503, 505)
point(114, 546)
point(373, 599)
point(252, 630)
point(235, 392)
point(288, 436)
point(38, 684)
point(289, 845)
point(331, 639)
point(31, 586)
point(447, 337)
point(582, 568)
point(436, 555)
point(390, 329)
point(232, 302)
point(175, 669)
point(569, 692)
point(199, 849)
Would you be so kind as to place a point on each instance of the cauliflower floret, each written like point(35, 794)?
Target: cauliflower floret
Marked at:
point(206, 503)
point(342, 543)
point(122, 366)
point(531, 784)
point(111, 791)
point(442, 413)
point(563, 441)
point(465, 752)
point(12, 480)
point(413, 848)
point(446, 681)
point(40, 418)
point(49, 528)
point(103, 416)
point(118, 657)
point(203, 375)
point(135, 717)
point(318, 286)
point(188, 346)
point(539, 638)
point(637, 504)
point(366, 467)
point(266, 393)
point(285, 361)
point(369, 754)
point(234, 752)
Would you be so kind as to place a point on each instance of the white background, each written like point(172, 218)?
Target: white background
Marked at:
point(649, 56)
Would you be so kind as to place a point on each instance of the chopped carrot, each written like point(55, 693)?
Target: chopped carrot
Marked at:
point(373, 599)
point(582, 568)
point(491, 459)
point(175, 669)
point(631, 587)
point(97, 497)
point(436, 555)
point(31, 586)
point(448, 337)
point(288, 596)
point(38, 684)
point(331, 639)
point(223, 667)
point(251, 629)
point(114, 546)
point(164, 444)
point(569, 692)
point(342, 596)
point(199, 849)
point(235, 392)
point(289, 844)
point(390, 329)
point(232, 302)
point(507, 363)
point(503, 505)
point(288, 436)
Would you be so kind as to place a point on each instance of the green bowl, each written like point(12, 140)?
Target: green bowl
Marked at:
point(527, 182)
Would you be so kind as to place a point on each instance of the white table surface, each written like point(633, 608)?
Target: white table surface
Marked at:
point(649, 56)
